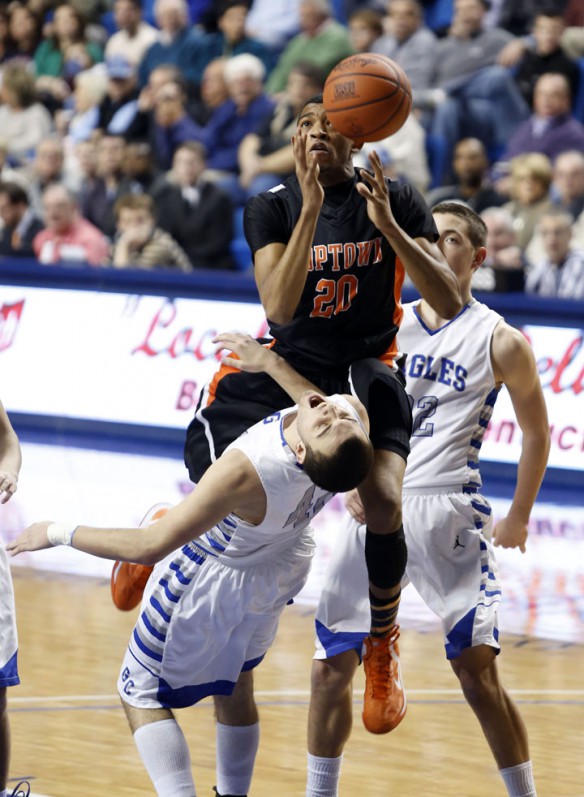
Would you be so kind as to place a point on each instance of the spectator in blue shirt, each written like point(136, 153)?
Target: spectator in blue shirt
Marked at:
point(244, 112)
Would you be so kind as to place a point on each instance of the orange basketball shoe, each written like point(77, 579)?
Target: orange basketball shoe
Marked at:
point(128, 580)
point(384, 704)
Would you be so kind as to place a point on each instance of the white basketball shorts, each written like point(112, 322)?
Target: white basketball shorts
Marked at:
point(451, 563)
point(8, 635)
point(203, 621)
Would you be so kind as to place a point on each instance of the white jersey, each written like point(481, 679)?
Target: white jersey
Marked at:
point(292, 499)
point(452, 390)
point(211, 608)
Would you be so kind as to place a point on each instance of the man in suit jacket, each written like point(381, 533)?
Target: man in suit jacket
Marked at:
point(20, 223)
point(206, 227)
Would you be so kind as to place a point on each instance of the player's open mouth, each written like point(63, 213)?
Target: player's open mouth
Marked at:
point(315, 400)
point(319, 148)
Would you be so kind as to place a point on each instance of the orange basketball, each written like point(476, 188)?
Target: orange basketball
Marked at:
point(367, 97)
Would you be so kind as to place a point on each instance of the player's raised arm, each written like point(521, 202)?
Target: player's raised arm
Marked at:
point(280, 269)
point(514, 364)
point(421, 258)
point(255, 357)
point(230, 485)
point(10, 458)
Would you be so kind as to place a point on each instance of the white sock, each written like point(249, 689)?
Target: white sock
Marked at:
point(237, 746)
point(519, 780)
point(165, 754)
point(323, 776)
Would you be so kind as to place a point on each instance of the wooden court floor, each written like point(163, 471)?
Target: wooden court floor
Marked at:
point(70, 736)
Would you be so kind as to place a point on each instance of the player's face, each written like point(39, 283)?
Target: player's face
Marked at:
point(455, 245)
point(323, 425)
point(331, 149)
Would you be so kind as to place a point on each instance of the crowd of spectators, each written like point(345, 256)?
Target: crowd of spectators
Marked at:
point(132, 133)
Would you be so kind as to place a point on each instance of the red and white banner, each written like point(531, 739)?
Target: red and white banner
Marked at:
point(560, 360)
point(110, 356)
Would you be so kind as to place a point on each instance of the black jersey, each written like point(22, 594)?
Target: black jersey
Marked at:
point(350, 306)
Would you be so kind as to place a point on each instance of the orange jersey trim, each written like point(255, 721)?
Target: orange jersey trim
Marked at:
point(388, 356)
point(223, 371)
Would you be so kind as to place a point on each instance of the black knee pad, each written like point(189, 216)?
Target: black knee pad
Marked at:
point(386, 556)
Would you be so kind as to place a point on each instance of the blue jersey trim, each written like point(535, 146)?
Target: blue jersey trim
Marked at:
point(447, 324)
point(9, 672)
point(335, 642)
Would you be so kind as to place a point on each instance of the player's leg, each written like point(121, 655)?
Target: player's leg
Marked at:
point(504, 729)
point(386, 556)
point(4, 741)
point(452, 565)
point(383, 393)
point(163, 750)
point(271, 584)
point(238, 736)
point(330, 719)
point(342, 621)
point(8, 663)
point(172, 663)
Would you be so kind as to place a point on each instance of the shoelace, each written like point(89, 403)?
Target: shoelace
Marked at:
point(378, 675)
point(19, 789)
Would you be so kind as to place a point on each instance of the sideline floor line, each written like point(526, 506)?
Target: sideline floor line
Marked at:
point(287, 693)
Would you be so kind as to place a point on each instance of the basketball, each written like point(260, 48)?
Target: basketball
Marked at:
point(367, 97)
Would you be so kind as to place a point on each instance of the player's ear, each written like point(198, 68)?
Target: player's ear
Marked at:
point(300, 451)
point(479, 258)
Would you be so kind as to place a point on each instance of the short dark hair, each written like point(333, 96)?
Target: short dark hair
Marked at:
point(227, 4)
point(315, 100)
point(15, 193)
point(549, 9)
point(477, 229)
point(343, 470)
point(134, 202)
point(369, 17)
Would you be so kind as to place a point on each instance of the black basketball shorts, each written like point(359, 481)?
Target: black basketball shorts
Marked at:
point(234, 400)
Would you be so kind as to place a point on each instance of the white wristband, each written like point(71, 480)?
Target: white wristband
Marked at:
point(60, 534)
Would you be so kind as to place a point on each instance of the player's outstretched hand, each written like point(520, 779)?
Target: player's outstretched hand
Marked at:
point(510, 533)
point(250, 356)
point(307, 171)
point(34, 538)
point(8, 485)
point(376, 194)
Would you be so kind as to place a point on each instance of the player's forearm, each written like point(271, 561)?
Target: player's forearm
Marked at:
point(10, 453)
point(127, 545)
point(430, 274)
point(281, 289)
point(289, 380)
point(530, 473)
